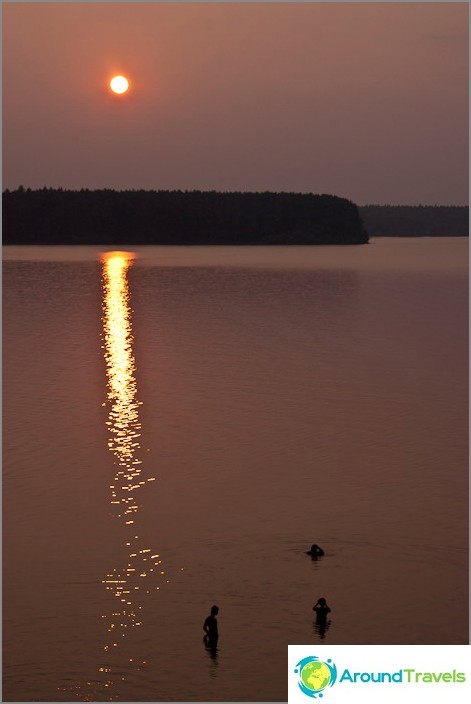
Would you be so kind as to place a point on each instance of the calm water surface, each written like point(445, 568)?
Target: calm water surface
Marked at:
point(181, 424)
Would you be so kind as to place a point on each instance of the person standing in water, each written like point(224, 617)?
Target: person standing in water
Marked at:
point(322, 624)
point(321, 610)
point(210, 626)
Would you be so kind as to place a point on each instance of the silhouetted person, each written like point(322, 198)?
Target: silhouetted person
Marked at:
point(210, 627)
point(322, 624)
point(321, 610)
point(315, 552)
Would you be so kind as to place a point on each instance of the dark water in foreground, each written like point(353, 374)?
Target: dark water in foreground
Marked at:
point(236, 405)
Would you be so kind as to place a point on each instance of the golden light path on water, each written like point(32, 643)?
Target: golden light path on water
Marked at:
point(123, 420)
point(142, 575)
point(130, 584)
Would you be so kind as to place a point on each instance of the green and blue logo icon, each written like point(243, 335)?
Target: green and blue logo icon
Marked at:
point(315, 675)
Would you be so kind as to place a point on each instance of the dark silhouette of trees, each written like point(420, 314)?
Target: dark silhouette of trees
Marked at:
point(57, 216)
point(415, 221)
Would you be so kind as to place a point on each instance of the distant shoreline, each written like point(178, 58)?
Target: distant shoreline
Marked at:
point(415, 220)
point(209, 218)
point(129, 244)
point(56, 216)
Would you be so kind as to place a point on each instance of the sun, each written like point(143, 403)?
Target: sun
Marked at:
point(119, 84)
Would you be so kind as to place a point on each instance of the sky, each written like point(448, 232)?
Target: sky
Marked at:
point(368, 101)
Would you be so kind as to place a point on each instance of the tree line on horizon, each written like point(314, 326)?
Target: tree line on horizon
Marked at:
point(58, 216)
point(106, 216)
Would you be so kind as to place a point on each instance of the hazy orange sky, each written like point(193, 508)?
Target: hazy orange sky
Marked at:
point(364, 100)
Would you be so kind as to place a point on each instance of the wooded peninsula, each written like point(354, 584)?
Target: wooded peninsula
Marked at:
point(107, 217)
point(56, 216)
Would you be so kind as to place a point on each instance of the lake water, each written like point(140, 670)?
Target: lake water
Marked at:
point(181, 424)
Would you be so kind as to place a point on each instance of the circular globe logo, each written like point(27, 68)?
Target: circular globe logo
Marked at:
point(315, 675)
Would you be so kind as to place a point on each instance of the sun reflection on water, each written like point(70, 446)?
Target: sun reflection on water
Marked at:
point(123, 418)
point(141, 572)
point(128, 584)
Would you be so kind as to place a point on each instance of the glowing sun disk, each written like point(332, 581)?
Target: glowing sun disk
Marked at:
point(119, 84)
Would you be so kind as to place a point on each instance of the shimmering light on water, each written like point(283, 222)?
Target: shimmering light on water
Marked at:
point(123, 419)
point(124, 583)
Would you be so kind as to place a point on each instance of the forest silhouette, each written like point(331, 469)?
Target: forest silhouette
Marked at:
point(56, 216)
